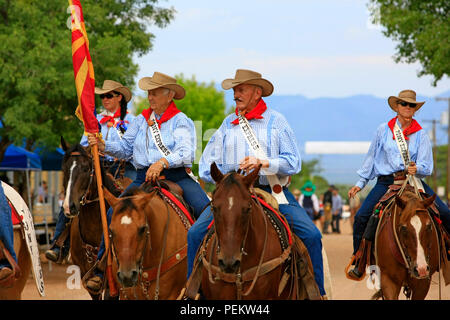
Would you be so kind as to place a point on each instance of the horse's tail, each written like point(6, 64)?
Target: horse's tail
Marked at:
point(377, 295)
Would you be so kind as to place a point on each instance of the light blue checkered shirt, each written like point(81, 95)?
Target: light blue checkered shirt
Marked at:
point(228, 147)
point(178, 135)
point(108, 133)
point(383, 157)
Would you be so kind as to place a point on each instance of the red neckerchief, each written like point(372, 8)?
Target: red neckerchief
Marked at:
point(413, 127)
point(111, 118)
point(170, 112)
point(255, 113)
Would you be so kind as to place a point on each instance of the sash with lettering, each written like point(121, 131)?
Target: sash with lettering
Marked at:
point(403, 148)
point(250, 137)
point(154, 125)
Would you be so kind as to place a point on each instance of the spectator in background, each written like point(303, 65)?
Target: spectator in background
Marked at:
point(336, 210)
point(309, 201)
point(327, 201)
point(296, 194)
point(43, 192)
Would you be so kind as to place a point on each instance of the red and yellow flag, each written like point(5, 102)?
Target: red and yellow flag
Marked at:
point(83, 70)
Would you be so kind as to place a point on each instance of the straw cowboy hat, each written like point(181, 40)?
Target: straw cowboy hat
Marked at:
point(308, 188)
point(109, 85)
point(249, 77)
point(161, 80)
point(407, 96)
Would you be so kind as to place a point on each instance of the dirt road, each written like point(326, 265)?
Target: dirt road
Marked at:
point(337, 246)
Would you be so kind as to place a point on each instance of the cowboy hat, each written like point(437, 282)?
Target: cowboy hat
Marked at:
point(160, 80)
point(109, 85)
point(308, 188)
point(249, 77)
point(407, 96)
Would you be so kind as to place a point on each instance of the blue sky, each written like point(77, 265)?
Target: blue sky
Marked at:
point(320, 48)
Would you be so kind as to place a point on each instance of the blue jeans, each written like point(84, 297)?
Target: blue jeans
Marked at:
point(59, 228)
point(380, 188)
point(192, 193)
point(299, 221)
point(6, 228)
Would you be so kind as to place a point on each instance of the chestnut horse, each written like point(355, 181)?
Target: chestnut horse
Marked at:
point(406, 248)
point(82, 206)
point(149, 245)
point(24, 262)
point(243, 258)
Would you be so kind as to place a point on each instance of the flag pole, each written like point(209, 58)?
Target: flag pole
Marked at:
point(85, 82)
point(101, 197)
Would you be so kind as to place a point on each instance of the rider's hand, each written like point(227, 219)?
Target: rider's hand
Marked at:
point(412, 168)
point(353, 191)
point(250, 163)
point(92, 139)
point(154, 171)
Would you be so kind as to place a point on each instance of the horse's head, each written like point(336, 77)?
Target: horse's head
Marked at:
point(129, 233)
point(77, 169)
point(231, 205)
point(415, 232)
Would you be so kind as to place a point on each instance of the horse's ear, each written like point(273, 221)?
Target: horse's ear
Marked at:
point(251, 177)
point(112, 200)
point(429, 201)
point(400, 202)
point(64, 144)
point(215, 173)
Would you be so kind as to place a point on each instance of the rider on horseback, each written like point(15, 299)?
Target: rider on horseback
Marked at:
point(384, 162)
point(229, 150)
point(114, 121)
point(171, 155)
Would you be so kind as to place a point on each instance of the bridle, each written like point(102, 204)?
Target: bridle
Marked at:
point(145, 283)
point(238, 275)
point(84, 200)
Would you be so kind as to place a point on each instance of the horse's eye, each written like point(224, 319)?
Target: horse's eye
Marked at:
point(428, 227)
point(142, 230)
point(403, 229)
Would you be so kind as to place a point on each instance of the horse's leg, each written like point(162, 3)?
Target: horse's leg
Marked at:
point(389, 287)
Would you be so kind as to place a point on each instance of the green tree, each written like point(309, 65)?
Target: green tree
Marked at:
point(421, 30)
point(203, 103)
point(311, 170)
point(37, 88)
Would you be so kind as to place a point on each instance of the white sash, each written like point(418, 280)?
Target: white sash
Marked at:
point(259, 153)
point(157, 139)
point(403, 148)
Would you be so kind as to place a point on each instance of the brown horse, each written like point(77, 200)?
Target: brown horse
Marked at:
point(82, 206)
point(244, 258)
point(149, 244)
point(24, 262)
point(406, 248)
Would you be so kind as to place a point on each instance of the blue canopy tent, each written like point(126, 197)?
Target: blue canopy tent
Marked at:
point(51, 160)
point(19, 159)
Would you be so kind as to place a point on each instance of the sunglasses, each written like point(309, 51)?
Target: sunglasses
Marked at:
point(107, 96)
point(404, 104)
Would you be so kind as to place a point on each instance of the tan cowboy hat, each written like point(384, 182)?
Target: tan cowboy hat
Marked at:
point(109, 85)
point(161, 80)
point(249, 77)
point(407, 96)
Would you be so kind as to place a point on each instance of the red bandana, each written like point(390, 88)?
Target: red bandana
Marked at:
point(255, 113)
point(413, 127)
point(111, 118)
point(170, 112)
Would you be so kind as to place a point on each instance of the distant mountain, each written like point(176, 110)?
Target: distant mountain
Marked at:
point(354, 118)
